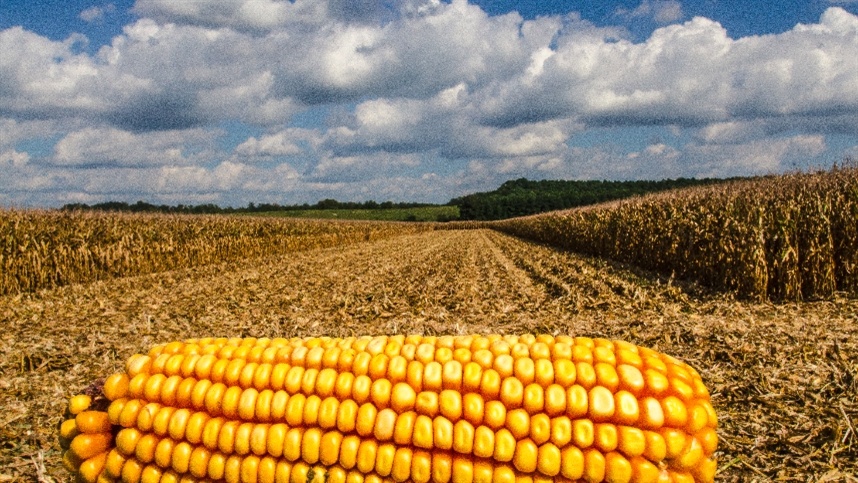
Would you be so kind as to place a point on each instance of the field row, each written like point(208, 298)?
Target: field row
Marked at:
point(781, 376)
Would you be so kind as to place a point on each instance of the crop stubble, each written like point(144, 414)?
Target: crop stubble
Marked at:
point(783, 377)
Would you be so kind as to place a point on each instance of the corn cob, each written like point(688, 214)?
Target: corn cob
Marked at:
point(450, 408)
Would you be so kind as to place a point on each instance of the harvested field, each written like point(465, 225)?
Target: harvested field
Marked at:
point(783, 377)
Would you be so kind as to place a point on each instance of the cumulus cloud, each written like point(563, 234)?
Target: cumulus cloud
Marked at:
point(757, 156)
point(97, 12)
point(659, 160)
point(226, 183)
point(13, 131)
point(444, 124)
point(43, 79)
point(113, 147)
point(661, 11)
point(246, 15)
point(362, 167)
point(12, 158)
point(165, 76)
point(418, 90)
point(289, 142)
point(264, 16)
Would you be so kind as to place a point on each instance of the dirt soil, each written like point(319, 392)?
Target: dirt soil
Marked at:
point(783, 378)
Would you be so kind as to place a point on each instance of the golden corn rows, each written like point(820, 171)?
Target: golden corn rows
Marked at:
point(780, 237)
point(45, 249)
point(370, 409)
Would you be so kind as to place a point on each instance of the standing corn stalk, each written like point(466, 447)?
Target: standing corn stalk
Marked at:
point(784, 237)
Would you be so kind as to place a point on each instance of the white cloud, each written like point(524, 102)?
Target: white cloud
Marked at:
point(411, 89)
point(12, 158)
point(284, 143)
point(808, 70)
point(97, 12)
point(166, 76)
point(113, 147)
point(251, 15)
point(264, 16)
point(732, 132)
point(91, 14)
point(689, 74)
point(40, 78)
point(757, 156)
point(661, 11)
point(13, 131)
point(362, 167)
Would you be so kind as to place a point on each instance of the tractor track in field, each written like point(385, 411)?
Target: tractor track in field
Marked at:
point(783, 377)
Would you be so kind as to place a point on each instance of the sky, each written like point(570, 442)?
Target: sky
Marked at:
point(274, 101)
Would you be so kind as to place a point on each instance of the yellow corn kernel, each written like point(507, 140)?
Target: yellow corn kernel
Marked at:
point(421, 466)
point(116, 386)
point(601, 404)
point(484, 442)
point(442, 433)
point(84, 446)
point(403, 397)
point(518, 423)
point(561, 431)
point(617, 468)
point(366, 456)
point(181, 457)
point(68, 430)
point(113, 464)
point(402, 461)
point(90, 469)
point(199, 461)
point(164, 452)
point(259, 439)
point(526, 454)
point(540, 428)
point(423, 436)
point(463, 437)
point(329, 447)
point(548, 459)
point(631, 441)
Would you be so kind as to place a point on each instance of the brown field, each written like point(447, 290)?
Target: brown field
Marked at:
point(783, 377)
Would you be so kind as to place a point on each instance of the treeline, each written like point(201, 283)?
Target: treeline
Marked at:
point(326, 204)
point(514, 198)
point(523, 197)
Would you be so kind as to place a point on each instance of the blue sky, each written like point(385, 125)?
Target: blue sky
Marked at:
point(238, 101)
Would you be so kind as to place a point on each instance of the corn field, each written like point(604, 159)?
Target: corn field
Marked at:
point(44, 249)
point(785, 238)
point(782, 238)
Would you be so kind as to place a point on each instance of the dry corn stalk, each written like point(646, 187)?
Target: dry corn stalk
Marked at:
point(784, 237)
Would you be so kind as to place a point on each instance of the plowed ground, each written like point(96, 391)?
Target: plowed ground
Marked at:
point(783, 377)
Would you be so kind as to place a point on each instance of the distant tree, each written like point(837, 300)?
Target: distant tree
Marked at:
point(328, 204)
point(520, 197)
